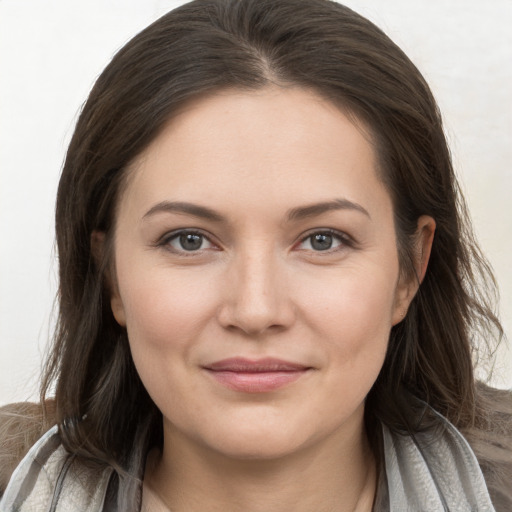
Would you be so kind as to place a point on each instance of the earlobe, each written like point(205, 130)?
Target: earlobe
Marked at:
point(98, 253)
point(116, 304)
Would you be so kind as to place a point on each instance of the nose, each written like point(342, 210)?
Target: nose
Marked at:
point(256, 296)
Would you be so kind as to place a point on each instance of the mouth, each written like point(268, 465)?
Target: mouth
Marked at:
point(255, 376)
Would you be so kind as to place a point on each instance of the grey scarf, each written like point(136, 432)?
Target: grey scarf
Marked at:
point(427, 472)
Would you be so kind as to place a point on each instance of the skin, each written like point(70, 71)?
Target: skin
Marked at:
point(259, 287)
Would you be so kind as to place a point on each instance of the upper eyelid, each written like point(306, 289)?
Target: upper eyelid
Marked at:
point(177, 232)
point(164, 241)
point(335, 232)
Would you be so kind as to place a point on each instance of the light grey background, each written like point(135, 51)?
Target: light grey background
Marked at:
point(51, 51)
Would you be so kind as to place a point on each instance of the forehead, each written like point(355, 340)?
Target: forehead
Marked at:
point(268, 145)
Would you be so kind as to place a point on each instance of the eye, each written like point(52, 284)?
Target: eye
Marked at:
point(324, 241)
point(187, 241)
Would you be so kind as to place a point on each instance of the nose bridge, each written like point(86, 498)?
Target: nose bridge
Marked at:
point(256, 276)
point(257, 297)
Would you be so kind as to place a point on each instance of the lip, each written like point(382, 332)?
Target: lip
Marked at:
point(255, 376)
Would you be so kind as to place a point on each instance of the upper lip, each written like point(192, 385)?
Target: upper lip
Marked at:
point(265, 365)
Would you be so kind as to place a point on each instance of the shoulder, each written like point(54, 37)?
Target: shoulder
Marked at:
point(434, 470)
point(21, 425)
point(50, 478)
point(491, 440)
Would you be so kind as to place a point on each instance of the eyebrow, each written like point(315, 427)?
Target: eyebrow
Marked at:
point(313, 210)
point(295, 214)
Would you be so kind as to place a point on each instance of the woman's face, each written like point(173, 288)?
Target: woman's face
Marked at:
point(257, 272)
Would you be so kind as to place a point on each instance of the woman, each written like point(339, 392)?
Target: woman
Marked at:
point(268, 284)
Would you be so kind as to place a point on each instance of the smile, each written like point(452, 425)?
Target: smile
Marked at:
point(260, 376)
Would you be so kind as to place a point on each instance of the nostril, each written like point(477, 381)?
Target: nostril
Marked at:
point(252, 321)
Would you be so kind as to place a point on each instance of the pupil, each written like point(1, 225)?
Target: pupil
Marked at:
point(191, 241)
point(321, 242)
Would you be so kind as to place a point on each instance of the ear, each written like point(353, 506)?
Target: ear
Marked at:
point(406, 289)
point(98, 253)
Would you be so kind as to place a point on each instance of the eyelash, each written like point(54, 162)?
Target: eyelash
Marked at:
point(346, 241)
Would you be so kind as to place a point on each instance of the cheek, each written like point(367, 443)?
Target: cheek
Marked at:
point(165, 318)
point(352, 316)
point(355, 300)
point(164, 309)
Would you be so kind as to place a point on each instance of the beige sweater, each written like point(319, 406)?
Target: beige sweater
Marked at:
point(21, 425)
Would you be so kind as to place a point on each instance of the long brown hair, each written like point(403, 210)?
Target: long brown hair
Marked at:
point(103, 411)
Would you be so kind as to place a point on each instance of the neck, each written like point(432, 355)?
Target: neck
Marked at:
point(337, 475)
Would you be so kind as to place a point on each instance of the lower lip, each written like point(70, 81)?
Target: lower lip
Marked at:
point(256, 382)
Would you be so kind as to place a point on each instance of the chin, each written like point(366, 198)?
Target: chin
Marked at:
point(261, 448)
point(256, 441)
